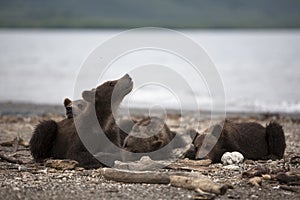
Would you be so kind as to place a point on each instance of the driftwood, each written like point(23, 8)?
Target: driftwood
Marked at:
point(256, 171)
point(135, 176)
point(290, 188)
point(192, 183)
point(10, 160)
point(195, 165)
point(291, 178)
point(188, 180)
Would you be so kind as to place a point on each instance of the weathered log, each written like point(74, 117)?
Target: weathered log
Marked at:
point(195, 165)
point(188, 180)
point(129, 176)
point(194, 183)
point(136, 176)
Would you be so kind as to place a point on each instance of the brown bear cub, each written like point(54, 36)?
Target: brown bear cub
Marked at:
point(149, 135)
point(74, 106)
point(250, 139)
point(61, 140)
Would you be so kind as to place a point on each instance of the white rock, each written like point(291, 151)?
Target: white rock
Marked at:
point(230, 158)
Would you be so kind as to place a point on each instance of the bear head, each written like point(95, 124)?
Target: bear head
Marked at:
point(109, 95)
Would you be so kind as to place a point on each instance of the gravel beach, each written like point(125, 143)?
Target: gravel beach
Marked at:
point(21, 178)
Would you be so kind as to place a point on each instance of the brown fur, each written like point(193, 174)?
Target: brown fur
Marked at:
point(61, 140)
point(73, 108)
point(251, 139)
point(42, 139)
point(125, 126)
point(149, 135)
point(153, 138)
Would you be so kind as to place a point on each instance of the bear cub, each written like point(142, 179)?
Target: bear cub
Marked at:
point(251, 139)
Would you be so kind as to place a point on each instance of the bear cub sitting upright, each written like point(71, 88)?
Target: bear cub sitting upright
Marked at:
point(61, 140)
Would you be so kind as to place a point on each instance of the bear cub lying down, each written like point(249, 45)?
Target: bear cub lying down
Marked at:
point(60, 140)
point(251, 139)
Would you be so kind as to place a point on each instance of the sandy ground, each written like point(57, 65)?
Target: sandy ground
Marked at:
point(35, 181)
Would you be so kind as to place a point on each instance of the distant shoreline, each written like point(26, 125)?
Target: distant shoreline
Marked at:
point(290, 28)
point(31, 109)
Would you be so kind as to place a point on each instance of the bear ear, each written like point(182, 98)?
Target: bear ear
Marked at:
point(67, 102)
point(89, 96)
point(192, 133)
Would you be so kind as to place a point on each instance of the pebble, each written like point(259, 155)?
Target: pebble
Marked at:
point(16, 189)
point(232, 167)
point(254, 196)
point(52, 170)
point(266, 176)
point(255, 181)
point(62, 164)
point(22, 168)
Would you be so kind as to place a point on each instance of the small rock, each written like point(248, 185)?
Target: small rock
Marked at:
point(255, 181)
point(276, 187)
point(267, 176)
point(232, 167)
point(254, 196)
point(52, 170)
point(62, 164)
point(22, 168)
point(16, 189)
point(232, 158)
point(79, 168)
point(44, 171)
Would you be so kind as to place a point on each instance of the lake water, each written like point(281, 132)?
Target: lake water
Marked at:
point(260, 69)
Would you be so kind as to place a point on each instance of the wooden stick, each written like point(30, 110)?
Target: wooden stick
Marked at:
point(129, 176)
point(290, 188)
point(186, 164)
point(10, 160)
point(193, 183)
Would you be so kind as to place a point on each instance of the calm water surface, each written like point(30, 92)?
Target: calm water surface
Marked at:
point(260, 70)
